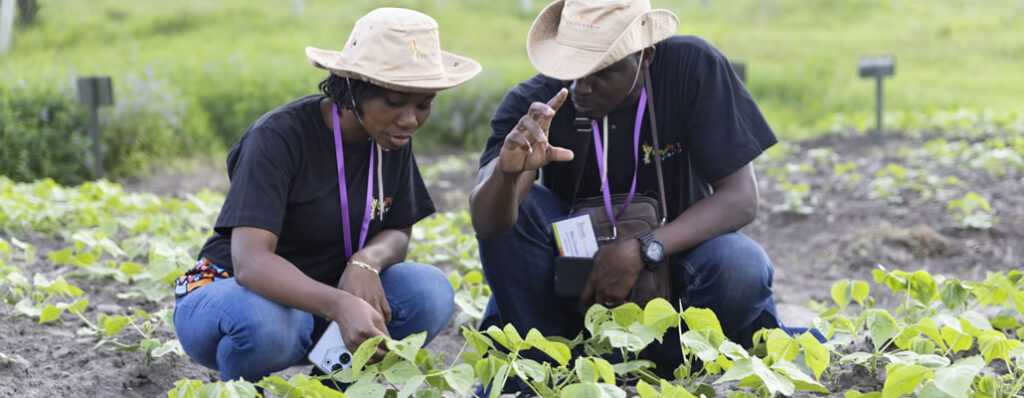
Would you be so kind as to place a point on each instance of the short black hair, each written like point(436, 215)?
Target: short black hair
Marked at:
point(344, 92)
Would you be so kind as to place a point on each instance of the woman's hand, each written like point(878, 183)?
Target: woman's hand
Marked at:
point(365, 284)
point(359, 321)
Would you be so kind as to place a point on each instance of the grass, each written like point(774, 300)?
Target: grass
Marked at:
point(801, 55)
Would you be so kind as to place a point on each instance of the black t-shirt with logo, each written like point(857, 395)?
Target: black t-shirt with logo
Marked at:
point(284, 179)
point(708, 127)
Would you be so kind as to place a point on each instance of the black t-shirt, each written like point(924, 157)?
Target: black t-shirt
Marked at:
point(708, 127)
point(284, 179)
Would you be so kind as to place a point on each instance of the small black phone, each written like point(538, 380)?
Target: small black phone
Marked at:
point(571, 275)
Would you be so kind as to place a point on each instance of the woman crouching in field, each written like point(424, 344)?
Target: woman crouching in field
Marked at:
point(316, 223)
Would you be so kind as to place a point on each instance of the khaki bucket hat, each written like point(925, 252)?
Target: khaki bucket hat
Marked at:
point(398, 49)
point(574, 38)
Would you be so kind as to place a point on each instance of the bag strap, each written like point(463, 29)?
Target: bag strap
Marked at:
point(582, 126)
point(583, 145)
point(654, 138)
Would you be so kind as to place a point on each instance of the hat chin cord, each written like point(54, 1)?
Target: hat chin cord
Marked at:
point(355, 109)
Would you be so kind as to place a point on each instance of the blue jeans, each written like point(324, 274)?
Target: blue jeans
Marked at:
point(730, 274)
point(227, 327)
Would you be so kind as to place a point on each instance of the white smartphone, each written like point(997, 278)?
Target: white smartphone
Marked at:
point(330, 353)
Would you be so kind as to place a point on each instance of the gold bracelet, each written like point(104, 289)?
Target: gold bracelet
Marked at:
point(365, 265)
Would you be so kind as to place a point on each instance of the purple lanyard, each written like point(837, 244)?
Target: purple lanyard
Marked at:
point(343, 189)
point(636, 160)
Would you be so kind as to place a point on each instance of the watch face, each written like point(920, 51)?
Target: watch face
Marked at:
point(654, 252)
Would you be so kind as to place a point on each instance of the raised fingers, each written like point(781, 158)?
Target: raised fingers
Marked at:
point(556, 102)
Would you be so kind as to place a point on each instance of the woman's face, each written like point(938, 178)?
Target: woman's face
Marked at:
point(392, 117)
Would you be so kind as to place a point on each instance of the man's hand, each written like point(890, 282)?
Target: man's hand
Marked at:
point(526, 147)
point(366, 285)
point(358, 322)
point(616, 269)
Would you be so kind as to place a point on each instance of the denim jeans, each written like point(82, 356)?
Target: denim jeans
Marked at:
point(227, 327)
point(730, 274)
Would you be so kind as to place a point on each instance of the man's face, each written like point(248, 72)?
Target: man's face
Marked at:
point(598, 94)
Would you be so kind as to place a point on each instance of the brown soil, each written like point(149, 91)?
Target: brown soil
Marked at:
point(845, 236)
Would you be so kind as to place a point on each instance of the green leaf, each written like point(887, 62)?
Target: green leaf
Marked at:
point(661, 315)
point(605, 370)
point(955, 340)
point(363, 390)
point(401, 372)
point(487, 368)
point(1018, 300)
point(922, 346)
point(703, 319)
point(461, 378)
point(841, 292)
point(860, 293)
point(411, 386)
point(79, 306)
point(624, 339)
point(906, 336)
point(62, 257)
point(747, 369)
point(585, 370)
point(699, 345)
point(408, 347)
point(954, 294)
point(956, 380)
point(732, 350)
point(881, 327)
point(668, 390)
point(781, 346)
point(928, 328)
point(476, 339)
point(170, 346)
point(513, 337)
point(816, 355)
point(596, 315)
point(498, 336)
point(801, 381)
point(974, 323)
point(131, 269)
point(646, 391)
point(50, 313)
point(995, 345)
point(583, 390)
point(901, 379)
point(149, 344)
point(623, 368)
point(114, 324)
point(557, 351)
point(364, 353)
point(627, 314)
point(530, 370)
point(923, 287)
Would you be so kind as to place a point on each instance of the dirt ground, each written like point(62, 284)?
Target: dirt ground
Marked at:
point(845, 236)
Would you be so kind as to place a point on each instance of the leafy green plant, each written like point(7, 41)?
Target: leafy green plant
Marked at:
point(971, 211)
point(795, 199)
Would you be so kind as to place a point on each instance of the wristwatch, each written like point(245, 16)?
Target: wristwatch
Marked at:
point(651, 249)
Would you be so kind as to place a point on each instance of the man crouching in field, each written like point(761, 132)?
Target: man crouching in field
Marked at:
point(594, 58)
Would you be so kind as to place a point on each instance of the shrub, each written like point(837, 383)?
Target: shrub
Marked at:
point(44, 133)
point(150, 118)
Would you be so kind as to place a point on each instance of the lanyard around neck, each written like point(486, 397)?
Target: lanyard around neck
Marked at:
point(636, 161)
point(343, 189)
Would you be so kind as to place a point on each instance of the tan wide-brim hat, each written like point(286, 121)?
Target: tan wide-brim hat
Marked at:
point(574, 38)
point(398, 49)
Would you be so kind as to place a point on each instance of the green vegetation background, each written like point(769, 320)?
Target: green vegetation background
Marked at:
point(191, 75)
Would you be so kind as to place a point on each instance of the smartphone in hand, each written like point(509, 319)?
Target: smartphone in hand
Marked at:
point(330, 354)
